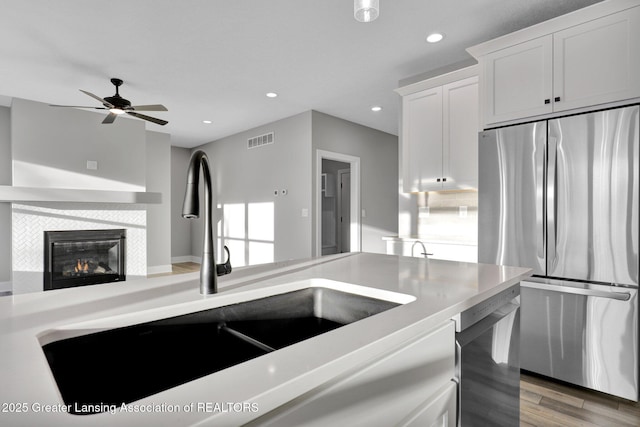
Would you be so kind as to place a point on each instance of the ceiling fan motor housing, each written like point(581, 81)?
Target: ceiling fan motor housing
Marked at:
point(116, 100)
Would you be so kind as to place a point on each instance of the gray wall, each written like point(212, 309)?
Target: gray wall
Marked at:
point(158, 179)
point(180, 227)
point(378, 153)
point(51, 146)
point(5, 208)
point(243, 176)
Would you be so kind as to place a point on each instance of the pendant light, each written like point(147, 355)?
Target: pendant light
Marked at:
point(366, 10)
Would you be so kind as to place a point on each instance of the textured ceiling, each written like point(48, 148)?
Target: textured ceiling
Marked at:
point(216, 59)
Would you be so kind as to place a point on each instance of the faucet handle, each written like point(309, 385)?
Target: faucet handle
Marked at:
point(222, 269)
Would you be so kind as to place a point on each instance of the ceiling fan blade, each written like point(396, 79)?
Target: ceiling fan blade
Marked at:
point(151, 119)
point(154, 107)
point(111, 117)
point(108, 104)
point(77, 106)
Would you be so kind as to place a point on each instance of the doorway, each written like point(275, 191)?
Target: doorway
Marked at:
point(338, 227)
point(336, 203)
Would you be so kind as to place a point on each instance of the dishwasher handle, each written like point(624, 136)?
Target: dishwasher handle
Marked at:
point(619, 296)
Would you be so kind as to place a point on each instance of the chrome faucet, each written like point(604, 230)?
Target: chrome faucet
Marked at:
point(191, 210)
point(424, 250)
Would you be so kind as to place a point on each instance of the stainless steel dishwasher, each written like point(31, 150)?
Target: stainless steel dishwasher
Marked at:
point(488, 361)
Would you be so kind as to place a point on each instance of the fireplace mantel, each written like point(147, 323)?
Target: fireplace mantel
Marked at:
point(9, 193)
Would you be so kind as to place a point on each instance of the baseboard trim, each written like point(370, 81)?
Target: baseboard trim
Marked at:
point(186, 258)
point(6, 287)
point(158, 269)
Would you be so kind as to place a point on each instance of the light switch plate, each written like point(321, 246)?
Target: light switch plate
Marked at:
point(92, 165)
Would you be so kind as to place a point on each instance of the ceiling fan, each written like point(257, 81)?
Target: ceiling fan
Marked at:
point(118, 105)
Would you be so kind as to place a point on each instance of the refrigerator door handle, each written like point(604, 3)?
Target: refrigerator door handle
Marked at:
point(551, 207)
point(541, 224)
point(620, 296)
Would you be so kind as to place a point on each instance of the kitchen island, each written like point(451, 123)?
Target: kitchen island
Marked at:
point(292, 380)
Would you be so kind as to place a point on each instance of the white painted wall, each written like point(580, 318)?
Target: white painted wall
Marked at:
point(158, 179)
point(378, 153)
point(249, 176)
point(51, 147)
point(180, 227)
point(5, 208)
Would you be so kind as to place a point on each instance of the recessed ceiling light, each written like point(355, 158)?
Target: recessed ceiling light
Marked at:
point(376, 108)
point(434, 38)
point(207, 122)
point(272, 95)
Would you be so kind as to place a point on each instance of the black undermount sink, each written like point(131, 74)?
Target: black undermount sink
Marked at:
point(126, 364)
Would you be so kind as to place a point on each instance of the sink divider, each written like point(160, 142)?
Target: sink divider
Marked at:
point(223, 327)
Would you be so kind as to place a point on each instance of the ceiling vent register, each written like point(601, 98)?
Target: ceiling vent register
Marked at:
point(259, 141)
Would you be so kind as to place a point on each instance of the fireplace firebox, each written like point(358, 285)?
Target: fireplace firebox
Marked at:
point(83, 257)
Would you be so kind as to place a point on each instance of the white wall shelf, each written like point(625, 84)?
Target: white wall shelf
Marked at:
point(9, 193)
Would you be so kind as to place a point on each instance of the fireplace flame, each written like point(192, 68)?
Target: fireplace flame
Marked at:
point(81, 266)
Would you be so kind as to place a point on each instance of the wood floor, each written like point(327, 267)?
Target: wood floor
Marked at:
point(179, 268)
point(546, 403)
point(550, 403)
point(185, 267)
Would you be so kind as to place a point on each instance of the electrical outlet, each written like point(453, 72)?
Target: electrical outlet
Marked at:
point(92, 165)
point(462, 211)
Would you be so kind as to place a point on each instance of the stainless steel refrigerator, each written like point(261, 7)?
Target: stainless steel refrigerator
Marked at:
point(561, 196)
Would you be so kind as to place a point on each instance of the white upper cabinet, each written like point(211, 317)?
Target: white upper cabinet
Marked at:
point(519, 81)
point(583, 59)
point(597, 62)
point(460, 138)
point(439, 132)
point(422, 139)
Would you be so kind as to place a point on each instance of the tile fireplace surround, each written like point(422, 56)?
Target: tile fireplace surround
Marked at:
point(29, 221)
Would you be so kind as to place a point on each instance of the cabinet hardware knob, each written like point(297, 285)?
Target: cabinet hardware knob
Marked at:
point(547, 101)
point(438, 180)
point(444, 179)
point(557, 99)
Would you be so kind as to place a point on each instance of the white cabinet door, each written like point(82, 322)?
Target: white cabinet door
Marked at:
point(437, 411)
point(421, 139)
point(402, 388)
point(460, 139)
point(518, 81)
point(598, 61)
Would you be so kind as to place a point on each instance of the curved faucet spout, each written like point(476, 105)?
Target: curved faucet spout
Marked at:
point(424, 250)
point(191, 209)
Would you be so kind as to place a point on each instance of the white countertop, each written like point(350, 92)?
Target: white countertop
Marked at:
point(442, 289)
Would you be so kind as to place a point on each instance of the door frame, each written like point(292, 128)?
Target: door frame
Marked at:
point(339, 206)
point(356, 225)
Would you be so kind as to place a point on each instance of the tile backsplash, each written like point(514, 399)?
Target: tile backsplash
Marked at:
point(448, 215)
